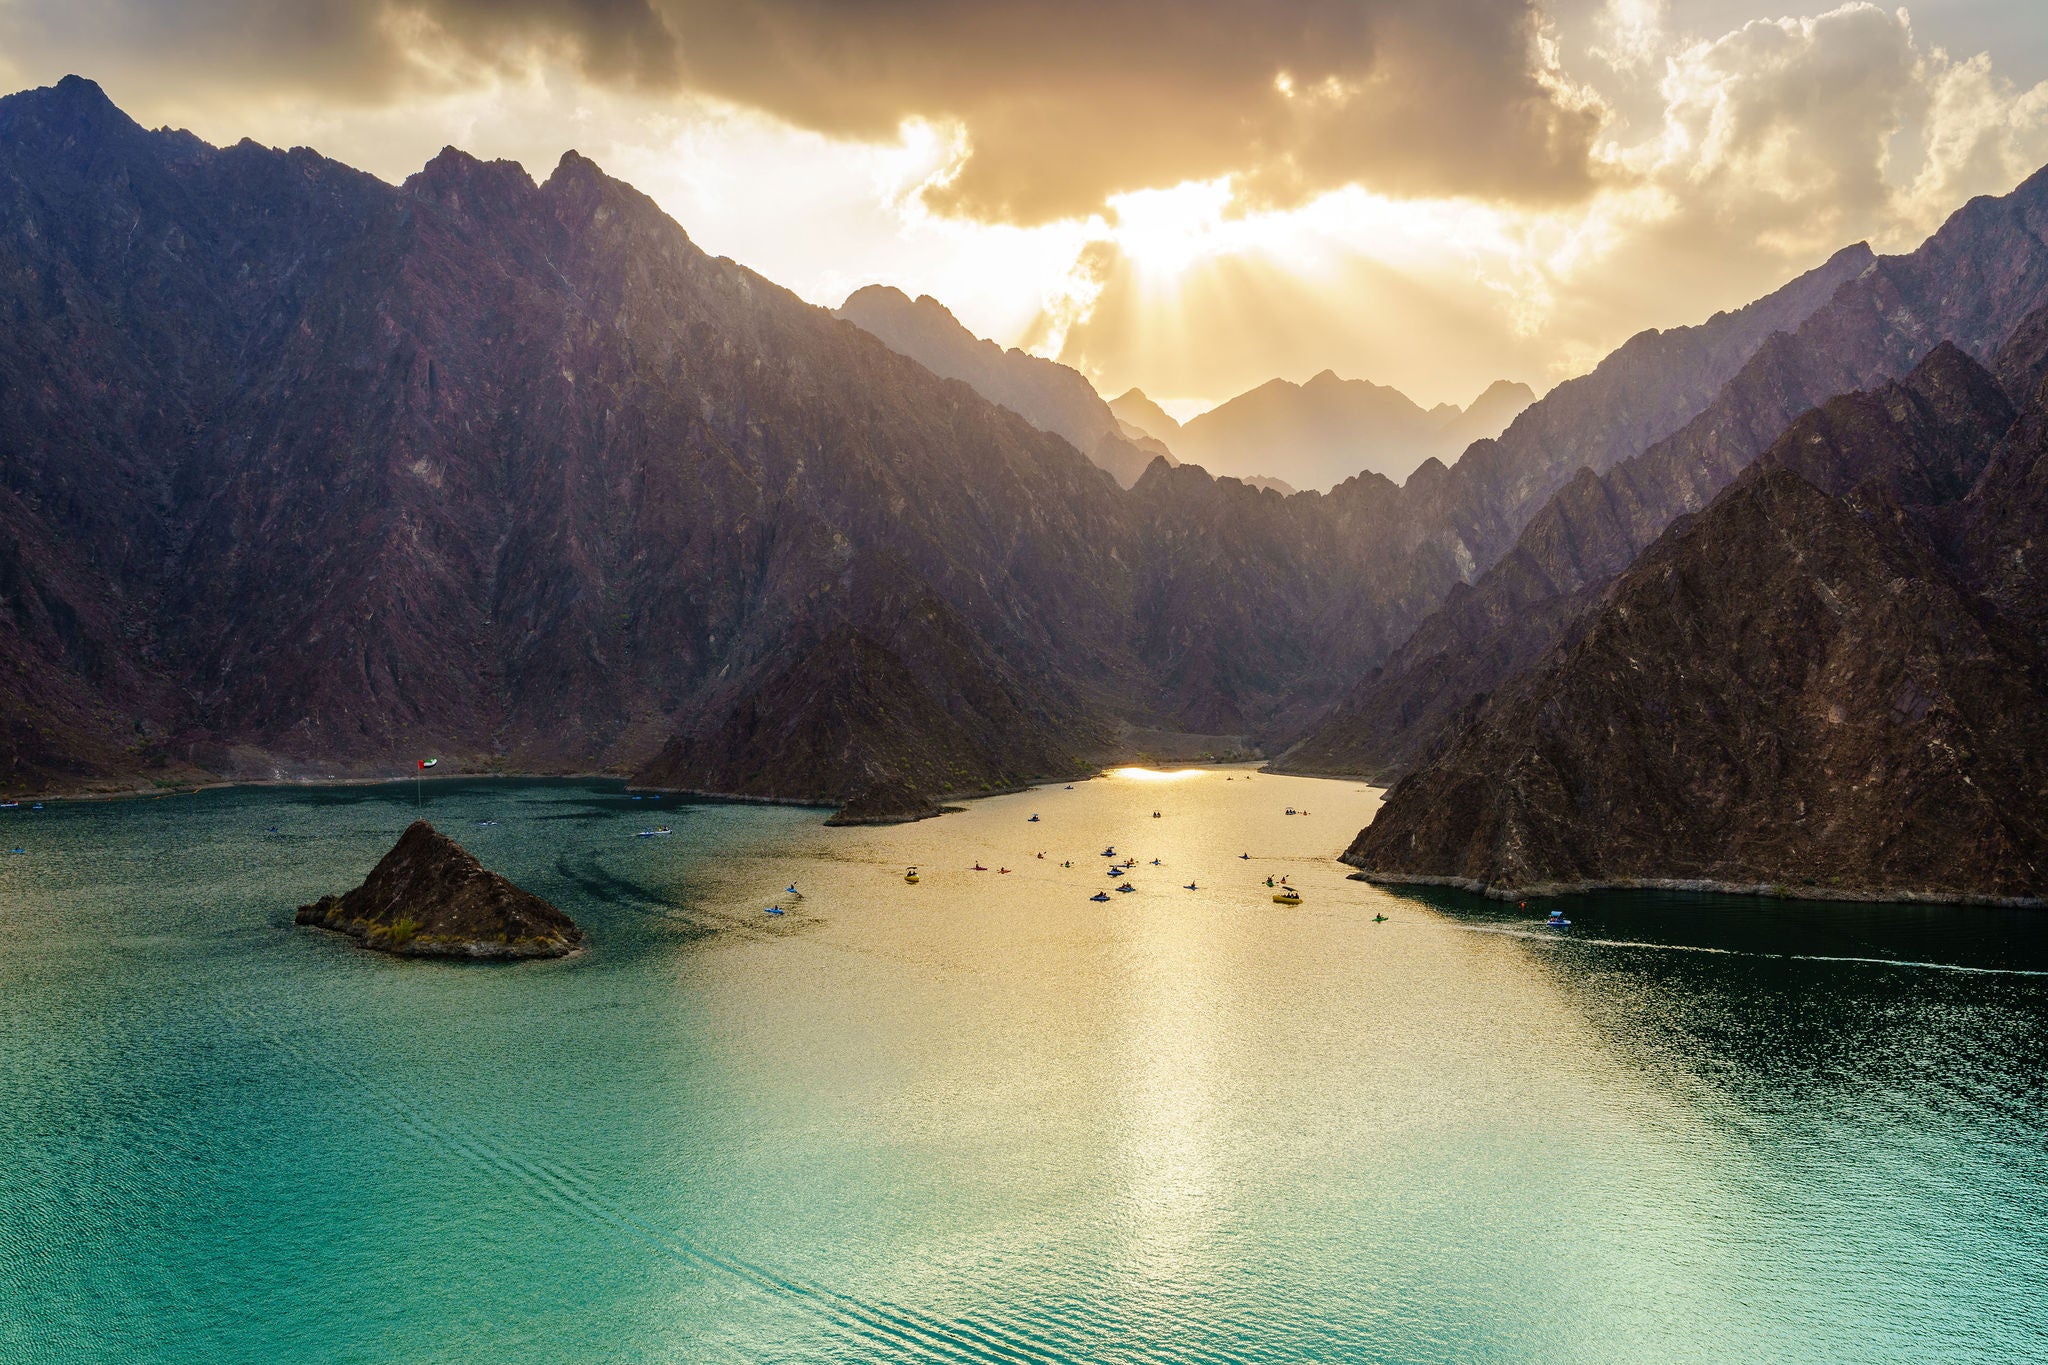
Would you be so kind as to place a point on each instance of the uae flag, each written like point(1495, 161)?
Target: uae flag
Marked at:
point(426, 763)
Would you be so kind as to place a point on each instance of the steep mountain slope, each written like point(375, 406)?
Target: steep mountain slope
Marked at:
point(1814, 685)
point(1044, 392)
point(1972, 282)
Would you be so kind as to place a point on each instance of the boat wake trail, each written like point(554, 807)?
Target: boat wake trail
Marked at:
point(1563, 940)
point(888, 1330)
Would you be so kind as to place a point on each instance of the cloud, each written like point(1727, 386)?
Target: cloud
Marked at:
point(1782, 127)
point(1766, 148)
point(1193, 199)
point(1062, 102)
point(1980, 134)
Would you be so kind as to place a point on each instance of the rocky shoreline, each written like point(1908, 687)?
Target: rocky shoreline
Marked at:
point(1768, 890)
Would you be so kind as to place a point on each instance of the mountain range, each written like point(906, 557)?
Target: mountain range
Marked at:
point(1832, 681)
point(1972, 283)
point(1318, 434)
point(305, 473)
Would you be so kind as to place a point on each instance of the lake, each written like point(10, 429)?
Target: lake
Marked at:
point(985, 1118)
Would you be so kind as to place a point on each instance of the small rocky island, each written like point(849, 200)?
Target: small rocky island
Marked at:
point(430, 897)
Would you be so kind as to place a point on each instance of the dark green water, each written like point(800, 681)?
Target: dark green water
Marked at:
point(984, 1118)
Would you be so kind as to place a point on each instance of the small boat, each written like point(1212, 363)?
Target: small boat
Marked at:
point(1189, 887)
point(771, 909)
point(979, 868)
point(911, 876)
point(1155, 815)
point(9, 805)
point(1155, 862)
point(1246, 856)
point(1099, 896)
point(23, 850)
point(1127, 887)
point(791, 890)
point(485, 824)
point(663, 829)
point(1002, 871)
point(639, 798)
point(1068, 787)
point(1041, 857)
point(1557, 921)
point(1287, 895)
point(1379, 919)
point(1032, 821)
point(1109, 852)
point(37, 806)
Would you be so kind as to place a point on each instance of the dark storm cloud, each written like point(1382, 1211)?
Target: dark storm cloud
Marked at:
point(1064, 102)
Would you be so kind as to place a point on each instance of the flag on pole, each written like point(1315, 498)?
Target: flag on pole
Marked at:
point(428, 762)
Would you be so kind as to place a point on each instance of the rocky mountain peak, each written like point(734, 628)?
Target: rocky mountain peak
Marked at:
point(465, 183)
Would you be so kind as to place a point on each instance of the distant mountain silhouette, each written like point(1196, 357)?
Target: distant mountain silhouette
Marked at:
point(1043, 392)
point(1318, 434)
point(1133, 408)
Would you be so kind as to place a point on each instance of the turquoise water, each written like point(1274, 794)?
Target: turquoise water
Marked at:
point(984, 1118)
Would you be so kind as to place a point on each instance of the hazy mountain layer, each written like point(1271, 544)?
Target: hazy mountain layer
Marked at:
point(1133, 408)
point(1318, 434)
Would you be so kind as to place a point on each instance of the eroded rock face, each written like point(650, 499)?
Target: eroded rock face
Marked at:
point(429, 897)
point(1828, 683)
point(1971, 284)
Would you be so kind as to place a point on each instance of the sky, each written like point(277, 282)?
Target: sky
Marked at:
point(1188, 196)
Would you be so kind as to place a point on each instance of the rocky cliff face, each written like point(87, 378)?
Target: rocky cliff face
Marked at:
point(1971, 283)
point(428, 897)
point(1825, 684)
